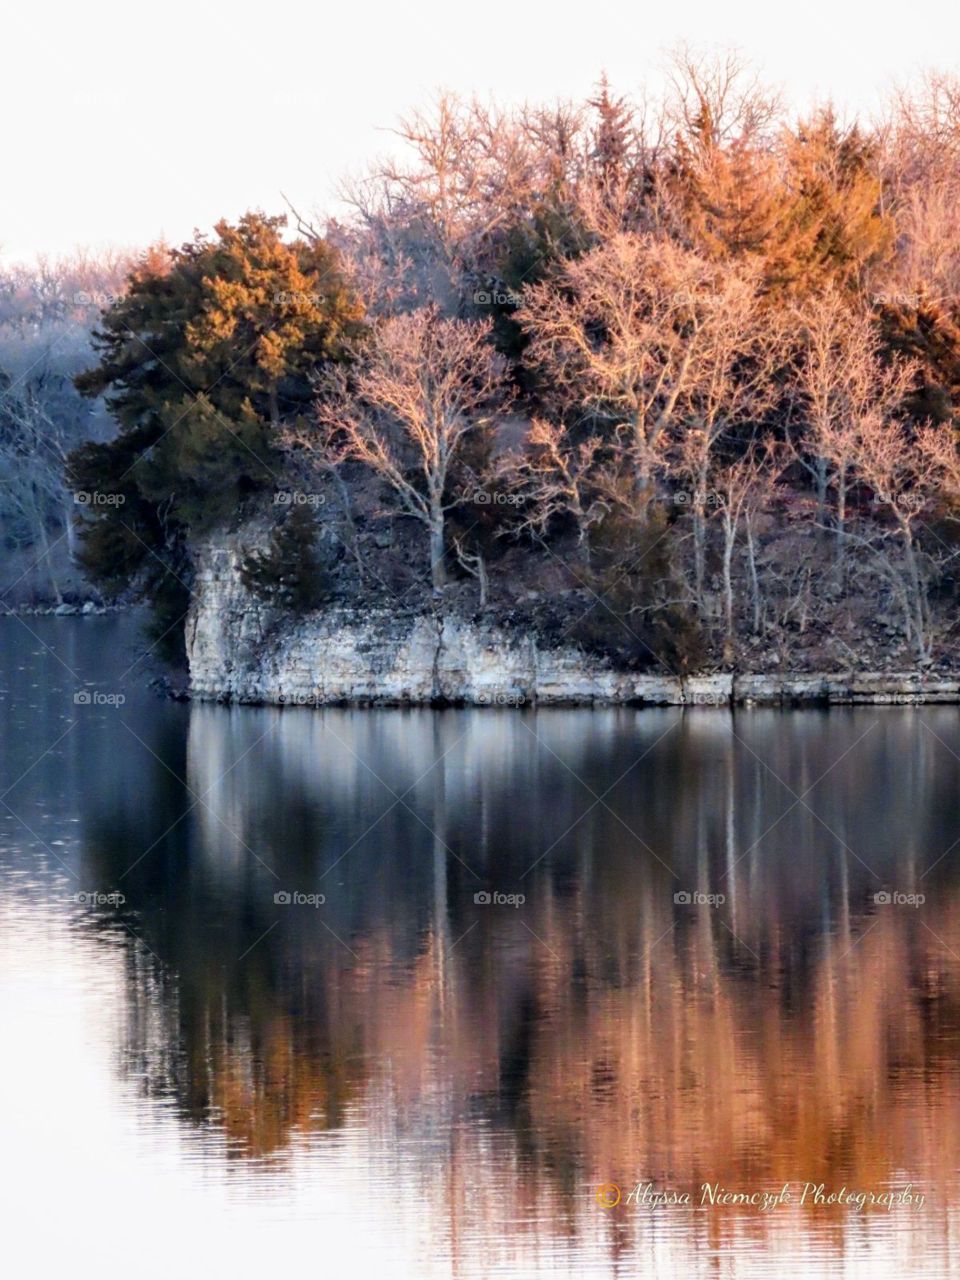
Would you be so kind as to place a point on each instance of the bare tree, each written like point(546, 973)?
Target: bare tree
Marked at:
point(34, 502)
point(558, 477)
point(739, 490)
point(42, 419)
point(615, 339)
point(466, 173)
point(846, 390)
point(421, 386)
point(718, 98)
point(907, 475)
point(472, 562)
point(738, 349)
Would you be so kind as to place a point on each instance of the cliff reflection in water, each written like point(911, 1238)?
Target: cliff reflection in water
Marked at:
point(515, 1056)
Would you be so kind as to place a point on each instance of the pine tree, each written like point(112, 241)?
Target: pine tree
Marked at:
point(730, 198)
point(288, 574)
point(613, 138)
point(835, 230)
point(810, 210)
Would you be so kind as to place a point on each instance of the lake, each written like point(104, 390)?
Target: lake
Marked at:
point(470, 993)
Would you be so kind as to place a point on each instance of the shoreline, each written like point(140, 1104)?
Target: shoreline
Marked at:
point(338, 664)
point(240, 651)
point(902, 689)
point(88, 609)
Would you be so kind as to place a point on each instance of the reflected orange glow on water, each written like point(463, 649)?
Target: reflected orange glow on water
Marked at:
point(414, 1070)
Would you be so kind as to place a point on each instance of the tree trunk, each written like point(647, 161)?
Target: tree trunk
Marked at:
point(438, 573)
point(699, 552)
point(44, 542)
point(841, 516)
point(754, 578)
point(69, 511)
point(699, 504)
point(729, 538)
point(917, 593)
point(820, 472)
point(482, 579)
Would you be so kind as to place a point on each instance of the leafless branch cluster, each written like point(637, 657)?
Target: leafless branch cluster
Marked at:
point(741, 327)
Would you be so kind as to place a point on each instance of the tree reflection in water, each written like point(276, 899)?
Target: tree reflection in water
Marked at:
point(516, 1056)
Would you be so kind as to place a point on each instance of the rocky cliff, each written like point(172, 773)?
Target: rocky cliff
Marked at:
point(241, 651)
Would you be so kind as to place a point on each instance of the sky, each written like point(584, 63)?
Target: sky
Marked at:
point(127, 122)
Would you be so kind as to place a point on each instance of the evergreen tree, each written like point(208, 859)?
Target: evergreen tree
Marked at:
point(614, 143)
point(927, 331)
point(810, 210)
point(836, 230)
point(730, 198)
point(211, 349)
point(288, 574)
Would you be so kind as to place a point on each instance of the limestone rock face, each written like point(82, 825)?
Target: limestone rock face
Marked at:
point(239, 650)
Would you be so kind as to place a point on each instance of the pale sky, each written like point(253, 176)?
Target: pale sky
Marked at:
point(124, 121)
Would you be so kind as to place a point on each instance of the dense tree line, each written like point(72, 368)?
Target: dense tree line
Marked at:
point(695, 367)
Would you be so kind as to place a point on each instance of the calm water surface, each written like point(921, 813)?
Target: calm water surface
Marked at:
point(257, 1018)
